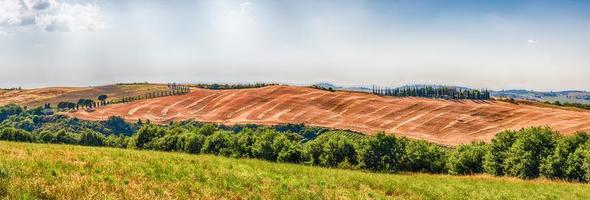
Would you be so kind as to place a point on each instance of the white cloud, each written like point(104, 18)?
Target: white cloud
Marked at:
point(531, 41)
point(51, 15)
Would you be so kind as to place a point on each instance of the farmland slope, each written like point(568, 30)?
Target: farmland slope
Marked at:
point(448, 122)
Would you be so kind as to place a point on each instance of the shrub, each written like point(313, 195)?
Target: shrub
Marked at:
point(496, 154)
point(207, 130)
point(194, 143)
point(381, 153)
point(467, 159)
point(264, 147)
point(331, 151)
point(531, 146)
point(91, 138)
point(13, 134)
point(118, 126)
point(561, 163)
point(146, 134)
point(116, 141)
point(292, 153)
point(219, 143)
point(421, 156)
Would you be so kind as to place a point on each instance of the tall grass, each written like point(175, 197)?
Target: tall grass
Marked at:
point(41, 171)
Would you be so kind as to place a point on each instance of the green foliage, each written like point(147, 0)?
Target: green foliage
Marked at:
point(526, 153)
point(118, 126)
point(467, 159)
point(495, 156)
point(531, 146)
point(562, 163)
point(91, 138)
point(219, 143)
point(331, 151)
point(146, 135)
point(194, 143)
point(421, 156)
point(8, 110)
point(381, 153)
point(428, 91)
point(13, 134)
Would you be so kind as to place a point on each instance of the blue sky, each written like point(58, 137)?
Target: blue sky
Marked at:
point(542, 45)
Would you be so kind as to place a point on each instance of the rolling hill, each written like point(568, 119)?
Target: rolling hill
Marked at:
point(447, 122)
point(54, 95)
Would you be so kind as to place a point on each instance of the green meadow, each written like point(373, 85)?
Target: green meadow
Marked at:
point(48, 171)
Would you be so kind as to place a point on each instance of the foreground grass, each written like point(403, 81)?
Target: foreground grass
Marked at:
point(40, 171)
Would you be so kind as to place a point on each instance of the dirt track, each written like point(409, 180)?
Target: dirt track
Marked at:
point(441, 121)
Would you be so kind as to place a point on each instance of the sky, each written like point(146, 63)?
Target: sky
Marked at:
point(512, 44)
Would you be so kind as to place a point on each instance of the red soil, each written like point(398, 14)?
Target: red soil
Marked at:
point(440, 121)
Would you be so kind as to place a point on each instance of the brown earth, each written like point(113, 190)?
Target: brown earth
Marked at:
point(54, 95)
point(441, 121)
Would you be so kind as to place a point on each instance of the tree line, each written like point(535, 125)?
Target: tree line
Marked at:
point(443, 92)
point(568, 104)
point(217, 86)
point(102, 100)
point(527, 153)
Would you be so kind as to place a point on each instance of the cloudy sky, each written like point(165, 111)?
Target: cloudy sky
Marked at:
point(536, 44)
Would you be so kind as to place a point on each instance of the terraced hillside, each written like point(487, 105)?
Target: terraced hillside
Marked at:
point(440, 121)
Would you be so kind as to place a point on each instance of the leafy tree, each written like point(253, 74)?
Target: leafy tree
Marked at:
point(91, 138)
point(194, 143)
point(467, 159)
point(292, 153)
point(118, 126)
point(525, 156)
point(263, 147)
point(495, 156)
point(13, 134)
point(207, 130)
point(561, 164)
point(146, 134)
point(219, 143)
point(9, 110)
point(381, 153)
point(102, 98)
point(116, 141)
point(331, 151)
point(421, 156)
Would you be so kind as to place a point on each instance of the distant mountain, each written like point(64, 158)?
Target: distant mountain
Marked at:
point(571, 96)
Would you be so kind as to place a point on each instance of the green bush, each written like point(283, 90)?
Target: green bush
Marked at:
point(381, 153)
point(497, 152)
point(421, 156)
point(561, 163)
point(219, 143)
point(532, 145)
point(13, 134)
point(467, 159)
point(194, 143)
point(332, 150)
point(91, 138)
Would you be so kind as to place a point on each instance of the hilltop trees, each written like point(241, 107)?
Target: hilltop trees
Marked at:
point(102, 98)
point(444, 92)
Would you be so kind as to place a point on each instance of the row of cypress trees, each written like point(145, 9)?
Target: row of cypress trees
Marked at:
point(444, 92)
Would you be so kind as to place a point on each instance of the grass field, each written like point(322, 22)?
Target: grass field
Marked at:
point(40, 171)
